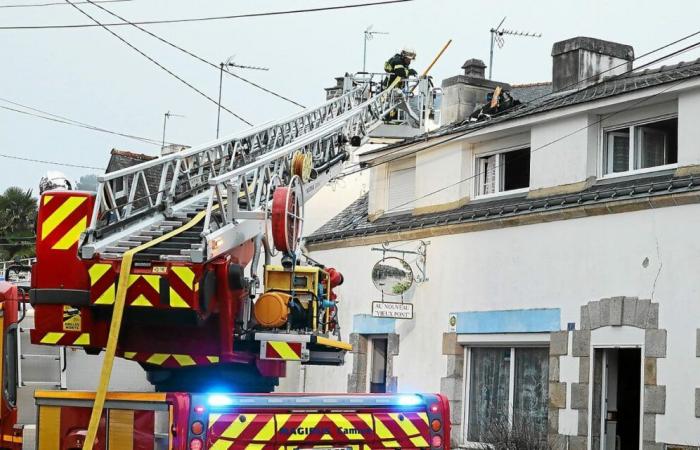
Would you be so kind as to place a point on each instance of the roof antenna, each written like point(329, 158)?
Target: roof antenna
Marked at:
point(497, 37)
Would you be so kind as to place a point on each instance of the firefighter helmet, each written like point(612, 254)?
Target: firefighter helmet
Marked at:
point(408, 53)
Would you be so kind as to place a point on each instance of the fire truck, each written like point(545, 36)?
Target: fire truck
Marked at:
point(178, 276)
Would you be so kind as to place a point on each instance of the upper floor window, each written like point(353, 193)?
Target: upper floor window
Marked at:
point(640, 147)
point(503, 172)
point(402, 189)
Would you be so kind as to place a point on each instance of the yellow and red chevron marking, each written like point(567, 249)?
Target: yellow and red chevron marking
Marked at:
point(64, 218)
point(290, 431)
point(287, 351)
point(170, 359)
point(144, 289)
point(67, 338)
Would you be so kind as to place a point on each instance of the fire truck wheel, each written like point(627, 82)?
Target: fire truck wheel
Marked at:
point(236, 277)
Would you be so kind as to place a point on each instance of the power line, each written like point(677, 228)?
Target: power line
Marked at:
point(165, 41)
point(558, 98)
point(202, 19)
point(67, 121)
point(33, 5)
point(55, 163)
point(173, 74)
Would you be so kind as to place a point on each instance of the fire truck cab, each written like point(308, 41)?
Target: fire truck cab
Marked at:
point(220, 421)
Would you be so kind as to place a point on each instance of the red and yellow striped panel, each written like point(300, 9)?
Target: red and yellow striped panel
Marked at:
point(67, 338)
point(170, 359)
point(359, 431)
point(286, 351)
point(64, 218)
point(144, 289)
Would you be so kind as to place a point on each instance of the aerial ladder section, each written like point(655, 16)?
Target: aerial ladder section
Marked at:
point(158, 276)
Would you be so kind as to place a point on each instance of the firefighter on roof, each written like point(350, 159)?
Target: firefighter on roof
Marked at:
point(398, 65)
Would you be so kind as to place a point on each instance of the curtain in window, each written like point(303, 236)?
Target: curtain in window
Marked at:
point(652, 147)
point(531, 392)
point(488, 391)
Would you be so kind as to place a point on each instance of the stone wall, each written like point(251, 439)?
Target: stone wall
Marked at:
point(357, 379)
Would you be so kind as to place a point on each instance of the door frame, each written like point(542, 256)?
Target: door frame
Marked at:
point(593, 348)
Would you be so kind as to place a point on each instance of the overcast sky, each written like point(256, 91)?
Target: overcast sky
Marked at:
point(88, 75)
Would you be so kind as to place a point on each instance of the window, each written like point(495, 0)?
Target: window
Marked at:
point(640, 147)
point(507, 397)
point(402, 189)
point(503, 172)
point(378, 359)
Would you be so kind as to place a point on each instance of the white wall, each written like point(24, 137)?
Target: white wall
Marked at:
point(560, 264)
point(438, 168)
point(560, 151)
point(688, 129)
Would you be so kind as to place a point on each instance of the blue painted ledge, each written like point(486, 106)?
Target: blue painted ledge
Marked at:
point(509, 321)
point(367, 324)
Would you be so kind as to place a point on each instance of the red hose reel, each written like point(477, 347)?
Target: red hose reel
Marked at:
point(287, 216)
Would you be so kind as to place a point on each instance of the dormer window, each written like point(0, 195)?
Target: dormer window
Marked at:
point(504, 172)
point(640, 147)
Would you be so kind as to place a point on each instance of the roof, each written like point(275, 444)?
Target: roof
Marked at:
point(121, 159)
point(548, 101)
point(354, 221)
point(527, 93)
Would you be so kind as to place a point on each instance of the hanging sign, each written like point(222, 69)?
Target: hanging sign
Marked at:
point(392, 310)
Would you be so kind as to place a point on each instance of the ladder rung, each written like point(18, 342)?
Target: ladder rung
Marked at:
point(174, 223)
point(175, 258)
point(40, 383)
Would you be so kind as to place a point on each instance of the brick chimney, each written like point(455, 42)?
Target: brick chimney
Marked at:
point(579, 61)
point(462, 93)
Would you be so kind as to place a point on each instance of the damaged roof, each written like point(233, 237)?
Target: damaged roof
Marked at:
point(353, 221)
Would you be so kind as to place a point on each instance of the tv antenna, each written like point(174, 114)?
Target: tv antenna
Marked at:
point(369, 35)
point(497, 38)
point(224, 67)
point(167, 116)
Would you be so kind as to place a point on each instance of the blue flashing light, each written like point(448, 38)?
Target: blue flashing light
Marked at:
point(219, 400)
point(410, 400)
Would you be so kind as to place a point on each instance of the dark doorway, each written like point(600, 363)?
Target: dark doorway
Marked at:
point(377, 375)
point(616, 399)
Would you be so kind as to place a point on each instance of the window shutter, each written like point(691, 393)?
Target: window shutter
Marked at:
point(402, 189)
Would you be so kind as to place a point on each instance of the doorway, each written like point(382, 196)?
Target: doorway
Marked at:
point(378, 364)
point(616, 408)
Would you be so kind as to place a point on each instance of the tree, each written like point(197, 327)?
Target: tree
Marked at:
point(18, 210)
point(87, 183)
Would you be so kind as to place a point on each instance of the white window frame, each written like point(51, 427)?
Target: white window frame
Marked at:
point(509, 340)
point(498, 174)
point(633, 156)
point(370, 351)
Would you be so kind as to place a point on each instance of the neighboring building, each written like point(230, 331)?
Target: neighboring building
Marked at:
point(561, 290)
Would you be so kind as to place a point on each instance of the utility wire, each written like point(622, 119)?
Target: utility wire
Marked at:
point(54, 163)
point(33, 5)
point(202, 19)
point(165, 41)
point(173, 74)
point(67, 121)
point(557, 98)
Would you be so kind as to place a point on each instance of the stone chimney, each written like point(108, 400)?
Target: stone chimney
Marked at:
point(578, 62)
point(462, 93)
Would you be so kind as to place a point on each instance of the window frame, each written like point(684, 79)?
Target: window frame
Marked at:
point(370, 363)
point(633, 156)
point(512, 341)
point(476, 164)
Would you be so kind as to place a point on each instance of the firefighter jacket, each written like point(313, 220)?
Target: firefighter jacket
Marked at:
point(397, 66)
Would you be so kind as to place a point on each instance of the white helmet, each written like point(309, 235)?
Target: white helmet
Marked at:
point(408, 52)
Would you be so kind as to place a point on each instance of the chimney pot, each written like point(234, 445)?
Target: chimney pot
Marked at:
point(474, 68)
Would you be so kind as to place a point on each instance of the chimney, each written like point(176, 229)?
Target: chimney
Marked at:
point(578, 62)
point(462, 93)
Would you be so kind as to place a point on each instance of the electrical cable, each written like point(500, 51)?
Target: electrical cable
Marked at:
point(201, 19)
point(173, 74)
point(557, 98)
point(165, 41)
point(64, 120)
point(44, 161)
point(33, 5)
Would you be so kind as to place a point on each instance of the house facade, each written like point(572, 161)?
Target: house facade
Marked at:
point(553, 250)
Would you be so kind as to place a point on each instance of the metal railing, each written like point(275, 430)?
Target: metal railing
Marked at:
point(124, 195)
point(251, 184)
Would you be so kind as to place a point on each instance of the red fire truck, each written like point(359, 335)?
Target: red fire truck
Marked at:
point(218, 421)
